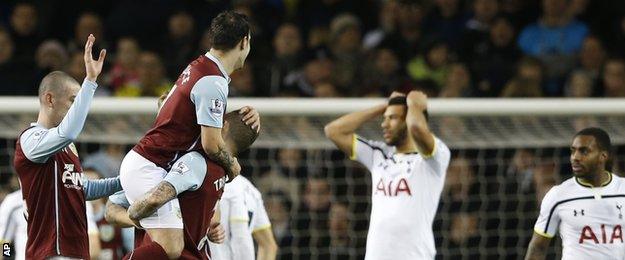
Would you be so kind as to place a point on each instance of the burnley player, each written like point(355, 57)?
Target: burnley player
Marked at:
point(587, 209)
point(407, 173)
point(49, 170)
point(190, 119)
point(197, 183)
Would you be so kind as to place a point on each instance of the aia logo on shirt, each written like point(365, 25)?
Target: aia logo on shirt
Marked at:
point(601, 236)
point(70, 178)
point(392, 189)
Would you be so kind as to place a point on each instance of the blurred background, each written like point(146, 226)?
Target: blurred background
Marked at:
point(318, 200)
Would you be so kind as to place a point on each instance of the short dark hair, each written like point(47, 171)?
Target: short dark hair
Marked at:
point(228, 29)
point(242, 135)
point(401, 100)
point(601, 137)
point(55, 81)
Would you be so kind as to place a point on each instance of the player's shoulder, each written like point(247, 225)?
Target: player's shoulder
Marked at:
point(562, 191)
point(373, 144)
point(34, 131)
point(619, 182)
point(250, 188)
point(234, 188)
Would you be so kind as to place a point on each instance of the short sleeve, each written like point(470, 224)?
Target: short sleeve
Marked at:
point(363, 150)
point(548, 219)
point(209, 95)
point(439, 159)
point(260, 220)
point(237, 210)
point(119, 198)
point(187, 173)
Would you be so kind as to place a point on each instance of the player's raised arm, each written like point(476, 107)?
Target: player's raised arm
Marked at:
point(95, 189)
point(417, 122)
point(341, 131)
point(537, 248)
point(56, 91)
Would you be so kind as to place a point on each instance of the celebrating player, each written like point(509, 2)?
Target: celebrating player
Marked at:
point(190, 118)
point(587, 209)
point(47, 164)
point(202, 182)
point(244, 217)
point(407, 173)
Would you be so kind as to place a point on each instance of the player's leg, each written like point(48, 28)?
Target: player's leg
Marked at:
point(137, 176)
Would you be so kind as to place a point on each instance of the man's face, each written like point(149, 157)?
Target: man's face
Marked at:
point(62, 101)
point(247, 42)
point(586, 157)
point(394, 127)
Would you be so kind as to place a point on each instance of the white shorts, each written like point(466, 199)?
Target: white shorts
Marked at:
point(137, 176)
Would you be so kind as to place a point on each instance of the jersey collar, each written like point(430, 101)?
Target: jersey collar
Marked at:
point(221, 66)
point(588, 185)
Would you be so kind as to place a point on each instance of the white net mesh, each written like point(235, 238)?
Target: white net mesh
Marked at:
point(319, 201)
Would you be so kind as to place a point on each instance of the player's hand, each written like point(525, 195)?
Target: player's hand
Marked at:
point(93, 67)
point(216, 233)
point(136, 223)
point(251, 117)
point(418, 99)
point(397, 94)
point(235, 170)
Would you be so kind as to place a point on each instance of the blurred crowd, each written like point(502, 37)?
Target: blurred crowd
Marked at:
point(330, 48)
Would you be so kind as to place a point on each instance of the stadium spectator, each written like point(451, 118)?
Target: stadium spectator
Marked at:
point(457, 83)
point(528, 80)
point(179, 44)
point(430, 69)
point(383, 74)
point(124, 67)
point(311, 220)
point(106, 161)
point(326, 90)
point(343, 243)
point(614, 78)
point(387, 24)
point(484, 13)
point(50, 56)
point(464, 235)
point(592, 55)
point(579, 85)
point(407, 38)
point(87, 23)
point(302, 83)
point(152, 78)
point(286, 61)
point(15, 77)
point(346, 49)
point(75, 66)
point(242, 83)
point(460, 185)
point(554, 39)
point(445, 22)
point(278, 207)
point(24, 23)
point(492, 60)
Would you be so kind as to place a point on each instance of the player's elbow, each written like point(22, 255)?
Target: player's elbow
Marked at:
point(271, 247)
point(331, 131)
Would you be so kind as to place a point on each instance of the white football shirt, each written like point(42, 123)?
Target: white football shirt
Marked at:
point(13, 224)
point(240, 203)
point(589, 219)
point(406, 189)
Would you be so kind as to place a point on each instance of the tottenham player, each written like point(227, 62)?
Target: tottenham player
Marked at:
point(190, 118)
point(49, 170)
point(407, 172)
point(244, 217)
point(198, 184)
point(13, 226)
point(587, 209)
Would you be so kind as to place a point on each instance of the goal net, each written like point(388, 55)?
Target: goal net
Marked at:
point(505, 155)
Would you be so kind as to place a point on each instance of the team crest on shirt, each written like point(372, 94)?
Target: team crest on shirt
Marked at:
point(620, 212)
point(180, 168)
point(217, 106)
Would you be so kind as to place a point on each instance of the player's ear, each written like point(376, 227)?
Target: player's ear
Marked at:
point(48, 99)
